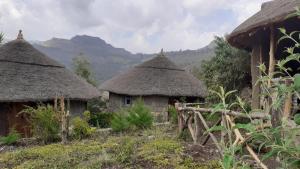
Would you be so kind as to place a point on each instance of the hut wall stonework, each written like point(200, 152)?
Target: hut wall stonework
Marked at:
point(157, 104)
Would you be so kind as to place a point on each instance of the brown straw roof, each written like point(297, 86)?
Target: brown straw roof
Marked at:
point(158, 76)
point(29, 75)
point(271, 12)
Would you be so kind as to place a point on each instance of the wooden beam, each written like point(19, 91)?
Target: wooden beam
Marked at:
point(231, 113)
point(211, 135)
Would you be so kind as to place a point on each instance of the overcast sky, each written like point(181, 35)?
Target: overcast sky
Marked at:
point(137, 25)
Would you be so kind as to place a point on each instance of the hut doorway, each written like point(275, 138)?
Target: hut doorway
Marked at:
point(4, 125)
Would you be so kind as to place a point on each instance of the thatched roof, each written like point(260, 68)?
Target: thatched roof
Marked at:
point(158, 76)
point(29, 75)
point(271, 12)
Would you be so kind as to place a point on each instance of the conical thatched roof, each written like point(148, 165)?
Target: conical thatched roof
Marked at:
point(271, 13)
point(28, 75)
point(158, 76)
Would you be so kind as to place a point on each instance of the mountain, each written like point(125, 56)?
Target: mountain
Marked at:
point(107, 60)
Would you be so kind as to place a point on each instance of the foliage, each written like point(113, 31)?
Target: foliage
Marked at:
point(297, 119)
point(121, 148)
point(162, 151)
point(279, 141)
point(139, 115)
point(74, 155)
point(119, 122)
point(81, 67)
point(1, 37)
point(44, 122)
point(11, 138)
point(133, 150)
point(101, 119)
point(173, 115)
point(80, 128)
point(96, 105)
point(229, 68)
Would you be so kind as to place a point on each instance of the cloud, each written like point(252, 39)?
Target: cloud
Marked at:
point(139, 26)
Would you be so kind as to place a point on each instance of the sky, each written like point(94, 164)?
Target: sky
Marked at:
point(140, 26)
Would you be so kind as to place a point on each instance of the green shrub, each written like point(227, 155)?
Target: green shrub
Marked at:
point(173, 115)
point(164, 152)
point(122, 149)
point(140, 115)
point(119, 122)
point(11, 138)
point(101, 120)
point(80, 128)
point(44, 122)
point(297, 119)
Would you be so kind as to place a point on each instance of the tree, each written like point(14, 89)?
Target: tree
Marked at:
point(1, 38)
point(81, 67)
point(230, 68)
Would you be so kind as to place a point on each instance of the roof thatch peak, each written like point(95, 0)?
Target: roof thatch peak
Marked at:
point(160, 62)
point(20, 35)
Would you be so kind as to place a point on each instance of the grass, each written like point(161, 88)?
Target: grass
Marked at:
point(152, 148)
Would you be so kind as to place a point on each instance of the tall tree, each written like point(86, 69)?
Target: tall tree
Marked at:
point(230, 67)
point(82, 68)
point(1, 38)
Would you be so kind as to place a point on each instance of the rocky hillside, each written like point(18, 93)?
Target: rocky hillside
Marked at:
point(107, 60)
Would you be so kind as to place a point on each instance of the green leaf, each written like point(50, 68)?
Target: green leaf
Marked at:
point(297, 119)
point(268, 155)
point(297, 82)
point(282, 30)
point(248, 127)
point(227, 162)
point(216, 128)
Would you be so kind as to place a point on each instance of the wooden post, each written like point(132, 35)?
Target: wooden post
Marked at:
point(180, 118)
point(272, 54)
point(63, 121)
point(255, 73)
point(214, 139)
point(288, 101)
point(197, 128)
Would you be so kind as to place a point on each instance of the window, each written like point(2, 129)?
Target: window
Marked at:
point(127, 101)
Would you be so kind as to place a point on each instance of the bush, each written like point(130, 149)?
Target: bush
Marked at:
point(44, 122)
point(101, 120)
point(11, 138)
point(119, 122)
point(139, 115)
point(173, 115)
point(81, 128)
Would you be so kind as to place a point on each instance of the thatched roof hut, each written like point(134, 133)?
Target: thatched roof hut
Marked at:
point(159, 79)
point(158, 76)
point(260, 34)
point(28, 76)
point(272, 13)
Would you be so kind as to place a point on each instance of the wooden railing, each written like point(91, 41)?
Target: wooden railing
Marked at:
point(191, 118)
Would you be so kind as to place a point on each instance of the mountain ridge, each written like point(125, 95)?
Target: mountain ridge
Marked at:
point(107, 60)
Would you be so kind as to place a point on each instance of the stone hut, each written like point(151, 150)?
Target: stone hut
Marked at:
point(28, 77)
point(159, 82)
